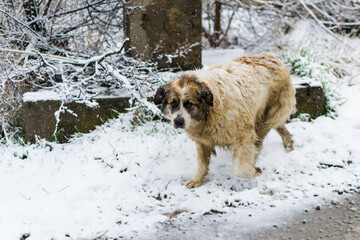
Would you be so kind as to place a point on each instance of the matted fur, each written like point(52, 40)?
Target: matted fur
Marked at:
point(232, 104)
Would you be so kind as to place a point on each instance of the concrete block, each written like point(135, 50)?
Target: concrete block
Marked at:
point(166, 32)
point(310, 99)
point(37, 118)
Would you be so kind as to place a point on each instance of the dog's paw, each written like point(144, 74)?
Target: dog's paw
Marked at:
point(246, 171)
point(289, 146)
point(194, 183)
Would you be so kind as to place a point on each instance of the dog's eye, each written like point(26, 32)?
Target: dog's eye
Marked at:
point(188, 104)
point(174, 103)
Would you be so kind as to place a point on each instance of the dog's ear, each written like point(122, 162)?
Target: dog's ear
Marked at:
point(206, 94)
point(160, 95)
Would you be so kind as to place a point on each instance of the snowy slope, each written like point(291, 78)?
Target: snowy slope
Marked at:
point(117, 181)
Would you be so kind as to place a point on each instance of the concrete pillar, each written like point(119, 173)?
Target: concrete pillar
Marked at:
point(167, 32)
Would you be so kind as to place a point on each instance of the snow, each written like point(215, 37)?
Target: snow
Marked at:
point(124, 181)
point(214, 56)
point(53, 95)
point(42, 96)
point(299, 82)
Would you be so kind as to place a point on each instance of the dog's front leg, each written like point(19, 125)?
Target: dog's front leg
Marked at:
point(244, 159)
point(203, 159)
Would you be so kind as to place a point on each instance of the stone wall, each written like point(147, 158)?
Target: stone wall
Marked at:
point(38, 119)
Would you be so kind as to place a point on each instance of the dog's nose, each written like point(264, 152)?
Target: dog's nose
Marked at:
point(179, 122)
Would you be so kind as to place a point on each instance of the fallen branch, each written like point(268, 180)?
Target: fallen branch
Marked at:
point(98, 59)
point(135, 94)
point(63, 59)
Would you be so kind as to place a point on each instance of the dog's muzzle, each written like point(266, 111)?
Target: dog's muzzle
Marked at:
point(179, 122)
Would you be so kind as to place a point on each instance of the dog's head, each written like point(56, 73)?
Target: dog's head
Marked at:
point(185, 101)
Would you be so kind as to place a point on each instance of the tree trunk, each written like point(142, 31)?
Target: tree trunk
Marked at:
point(31, 13)
point(217, 23)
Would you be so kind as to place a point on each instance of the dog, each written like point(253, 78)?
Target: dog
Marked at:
point(233, 105)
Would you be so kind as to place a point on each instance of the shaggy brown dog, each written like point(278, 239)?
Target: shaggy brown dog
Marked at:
point(234, 104)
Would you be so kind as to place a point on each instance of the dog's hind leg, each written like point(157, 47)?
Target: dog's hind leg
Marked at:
point(262, 129)
point(274, 116)
point(203, 159)
point(286, 137)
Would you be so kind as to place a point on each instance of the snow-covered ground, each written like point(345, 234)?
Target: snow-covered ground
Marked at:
point(121, 181)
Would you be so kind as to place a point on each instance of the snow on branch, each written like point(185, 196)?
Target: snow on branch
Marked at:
point(261, 23)
point(315, 17)
point(135, 94)
point(97, 59)
point(82, 80)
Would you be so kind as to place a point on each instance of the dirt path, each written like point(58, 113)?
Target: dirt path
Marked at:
point(330, 221)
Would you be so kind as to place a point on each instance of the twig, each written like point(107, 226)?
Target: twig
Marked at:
point(79, 9)
point(45, 190)
point(23, 24)
point(108, 54)
point(316, 19)
point(342, 23)
point(228, 27)
point(47, 7)
point(26, 197)
point(64, 188)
